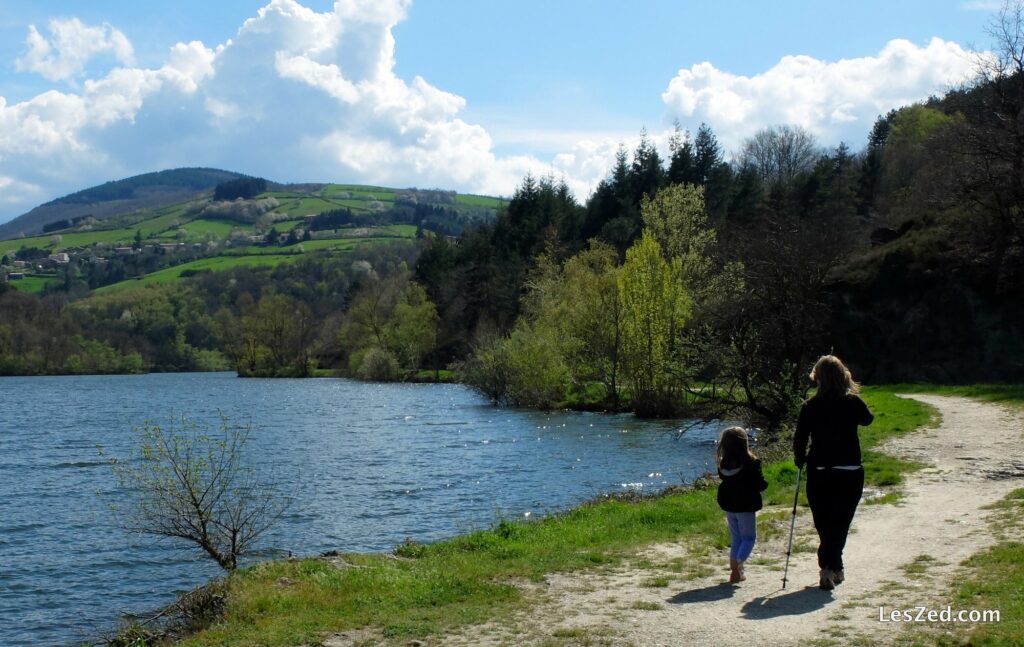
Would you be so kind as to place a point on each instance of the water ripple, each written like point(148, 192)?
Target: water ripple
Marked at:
point(369, 464)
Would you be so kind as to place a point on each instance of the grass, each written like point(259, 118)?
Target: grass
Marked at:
point(1002, 393)
point(919, 566)
point(428, 589)
point(478, 200)
point(31, 284)
point(215, 263)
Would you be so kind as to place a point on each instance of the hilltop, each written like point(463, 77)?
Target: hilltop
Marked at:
point(160, 227)
point(149, 190)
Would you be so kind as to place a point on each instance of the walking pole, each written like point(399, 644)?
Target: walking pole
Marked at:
point(792, 525)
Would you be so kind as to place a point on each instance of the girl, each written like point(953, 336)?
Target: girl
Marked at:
point(835, 476)
point(739, 495)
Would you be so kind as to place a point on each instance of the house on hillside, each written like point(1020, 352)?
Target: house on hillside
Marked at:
point(15, 276)
point(60, 258)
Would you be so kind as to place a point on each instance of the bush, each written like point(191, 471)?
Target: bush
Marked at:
point(376, 365)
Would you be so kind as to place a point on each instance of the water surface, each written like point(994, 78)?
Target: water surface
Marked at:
point(369, 465)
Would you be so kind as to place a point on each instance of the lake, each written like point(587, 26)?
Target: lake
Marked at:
point(370, 465)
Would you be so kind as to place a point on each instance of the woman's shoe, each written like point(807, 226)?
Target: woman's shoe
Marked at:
point(734, 573)
point(839, 576)
point(743, 575)
point(825, 580)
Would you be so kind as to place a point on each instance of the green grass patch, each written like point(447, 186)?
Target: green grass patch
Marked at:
point(643, 605)
point(112, 237)
point(213, 264)
point(919, 566)
point(478, 200)
point(427, 589)
point(31, 284)
point(202, 227)
point(1006, 393)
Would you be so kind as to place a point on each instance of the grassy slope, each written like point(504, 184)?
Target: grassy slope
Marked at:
point(256, 255)
point(469, 579)
point(214, 263)
point(163, 222)
point(32, 284)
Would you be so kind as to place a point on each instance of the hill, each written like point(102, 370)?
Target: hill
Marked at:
point(173, 239)
point(146, 191)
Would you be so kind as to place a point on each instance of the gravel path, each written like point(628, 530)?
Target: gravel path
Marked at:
point(899, 555)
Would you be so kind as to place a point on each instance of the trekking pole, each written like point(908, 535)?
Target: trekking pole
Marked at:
point(792, 526)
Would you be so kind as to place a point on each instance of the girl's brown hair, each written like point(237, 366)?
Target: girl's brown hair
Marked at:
point(833, 378)
point(734, 447)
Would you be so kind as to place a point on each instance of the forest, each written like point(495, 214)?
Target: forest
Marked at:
point(685, 284)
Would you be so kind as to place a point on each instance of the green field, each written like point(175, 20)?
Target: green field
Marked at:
point(479, 200)
point(216, 263)
point(32, 284)
point(201, 228)
point(112, 237)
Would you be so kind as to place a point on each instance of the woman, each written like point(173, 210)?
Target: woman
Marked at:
point(835, 476)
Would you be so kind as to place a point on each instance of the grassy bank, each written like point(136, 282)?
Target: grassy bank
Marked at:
point(423, 590)
point(1012, 394)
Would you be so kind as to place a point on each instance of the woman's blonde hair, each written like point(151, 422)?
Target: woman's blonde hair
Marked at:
point(833, 378)
point(734, 447)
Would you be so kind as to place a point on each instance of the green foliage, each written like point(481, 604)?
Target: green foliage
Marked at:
point(389, 327)
point(276, 338)
point(912, 125)
point(655, 307)
point(374, 364)
point(97, 357)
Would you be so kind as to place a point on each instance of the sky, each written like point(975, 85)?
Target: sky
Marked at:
point(469, 95)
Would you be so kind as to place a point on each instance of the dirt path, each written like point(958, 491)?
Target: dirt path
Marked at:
point(898, 556)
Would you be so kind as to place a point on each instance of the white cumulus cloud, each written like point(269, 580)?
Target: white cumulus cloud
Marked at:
point(295, 95)
point(70, 47)
point(836, 100)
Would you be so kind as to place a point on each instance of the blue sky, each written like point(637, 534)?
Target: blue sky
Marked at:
point(459, 94)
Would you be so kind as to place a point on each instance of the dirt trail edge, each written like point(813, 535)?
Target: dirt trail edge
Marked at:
point(898, 556)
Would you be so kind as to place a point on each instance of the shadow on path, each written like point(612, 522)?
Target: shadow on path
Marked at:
point(795, 603)
point(706, 594)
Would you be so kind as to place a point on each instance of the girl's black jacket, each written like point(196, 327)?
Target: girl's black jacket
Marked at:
point(741, 492)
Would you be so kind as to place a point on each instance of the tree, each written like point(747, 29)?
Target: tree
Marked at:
point(681, 163)
point(192, 484)
point(655, 307)
point(275, 338)
point(779, 154)
point(390, 322)
point(593, 317)
point(411, 332)
point(646, 172)
point(989, 143)
point(707, 155)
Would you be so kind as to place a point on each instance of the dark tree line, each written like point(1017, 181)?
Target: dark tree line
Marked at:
point(905, 257)
point(245, 188)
